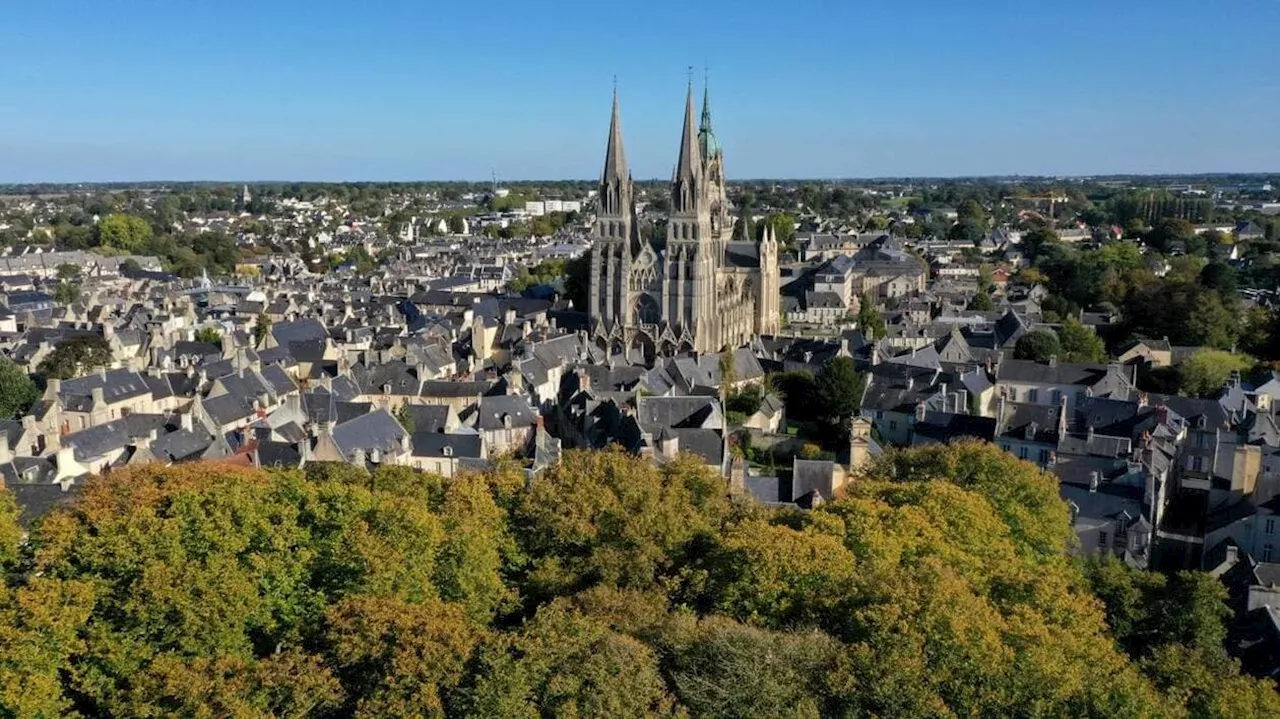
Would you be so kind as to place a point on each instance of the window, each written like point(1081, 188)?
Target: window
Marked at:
point(893, 424)
point(1022, 453)
point(1102, 540)
point(1122, 536)
point(1266, 552)
point(1033, 395)
point(1270, 525)
point(1044, 456)
point(1197, 464)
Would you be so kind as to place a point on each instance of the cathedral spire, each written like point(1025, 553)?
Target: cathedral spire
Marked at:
point(706, 136)
point(615, 157)
point(688, 175)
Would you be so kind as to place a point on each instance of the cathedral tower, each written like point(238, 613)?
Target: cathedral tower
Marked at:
point(616, 233)
point(713, 168)
point(769, 302)
point(692, 250)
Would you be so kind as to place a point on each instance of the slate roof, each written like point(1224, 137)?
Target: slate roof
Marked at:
point(117, 434)
point(374, 430)
point(655, 413)
point(949, 426)
point(705, 443)
point(433, 444)
point(182, 445)
point(1063, 373)
point(492, 412)
point(117, 385)
point(428, 417)
point(444, 388)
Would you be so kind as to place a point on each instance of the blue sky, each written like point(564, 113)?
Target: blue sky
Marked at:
point(100, 90)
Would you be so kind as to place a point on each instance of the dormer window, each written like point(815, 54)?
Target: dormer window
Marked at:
point(448, 451)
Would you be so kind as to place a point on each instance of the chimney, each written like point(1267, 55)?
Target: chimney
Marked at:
point(358, 457)
point(186, 421)
point(1094, 478)
point(1053, 360)
point(99, 396)
point(6, 455)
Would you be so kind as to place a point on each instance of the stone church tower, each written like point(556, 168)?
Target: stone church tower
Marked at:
point(693, 290)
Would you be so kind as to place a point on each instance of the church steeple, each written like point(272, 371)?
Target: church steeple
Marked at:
point(616, 176)
point(706, 136)
point(688, 176)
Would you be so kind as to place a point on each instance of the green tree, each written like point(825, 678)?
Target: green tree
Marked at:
point(870, 320)
point(1038, 345)
point(1080, 343)
point(261, 328)
point(75, 357)
point(838, 387)
point(17, 391)
point(1206, 372)
point(210, 335)
point(128, 233)
point(566, 665)
point(67, 271)
point(798, 392)
point(67, 293)
point(404, 417)
point(981, 302)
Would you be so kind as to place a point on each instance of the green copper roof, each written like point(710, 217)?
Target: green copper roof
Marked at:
point(706, 136)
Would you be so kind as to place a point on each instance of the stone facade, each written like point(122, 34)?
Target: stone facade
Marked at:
point(694, 289)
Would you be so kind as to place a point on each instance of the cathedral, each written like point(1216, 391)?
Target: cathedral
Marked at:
point(693, 289)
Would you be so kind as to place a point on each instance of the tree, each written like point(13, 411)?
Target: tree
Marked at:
point(17, 391)
point(799, 393)
point(261, 327)
point(870, 320)
point(1038, 345)
point(1167, 231)
point(838, 389)
point(1206, 372)
point(128, 233)
point(74, 357)
point(1038, 240)
point(67, 293)
point(981, 302)
point(397, 658)
point(1219, 276)
point(1080, 343)
point(564, 664)
point(404, 417)
point(67, 271)
point(211, 335)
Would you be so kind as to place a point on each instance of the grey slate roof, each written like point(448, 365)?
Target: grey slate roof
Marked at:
point(433, 444)
point(374, 430)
